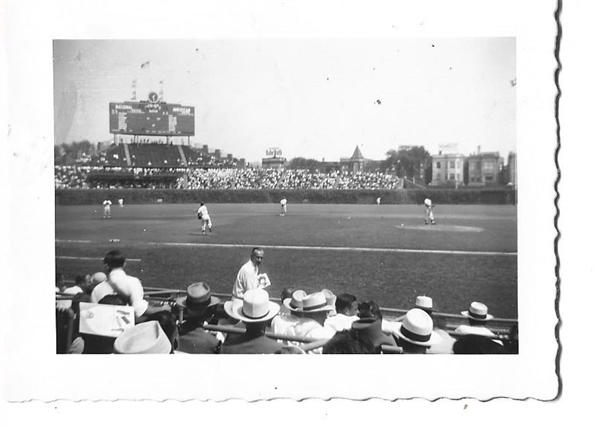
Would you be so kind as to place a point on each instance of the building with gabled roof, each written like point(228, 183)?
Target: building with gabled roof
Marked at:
point(355, 163)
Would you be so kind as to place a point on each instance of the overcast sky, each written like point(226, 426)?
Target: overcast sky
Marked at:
point(315, 98)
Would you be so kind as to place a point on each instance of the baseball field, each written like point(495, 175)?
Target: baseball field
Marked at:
point(383, 253)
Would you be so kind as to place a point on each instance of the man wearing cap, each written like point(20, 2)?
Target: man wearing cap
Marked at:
point(416, 335)
point(204, 217)
point(478, 316)
point(256, 311)
point(313, 311)
point(107, 203)
point(283, 206)
point(428, 206)
point(199, 305)
point(248, 277)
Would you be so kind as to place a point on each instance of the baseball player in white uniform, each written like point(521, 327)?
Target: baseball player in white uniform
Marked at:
point(283, 206)
point(107, 203)
point(428, 206)
point(204, 217)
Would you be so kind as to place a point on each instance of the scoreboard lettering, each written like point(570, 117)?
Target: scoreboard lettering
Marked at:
point(146, 118)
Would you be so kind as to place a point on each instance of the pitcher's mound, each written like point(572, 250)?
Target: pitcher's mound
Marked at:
point(441, 228)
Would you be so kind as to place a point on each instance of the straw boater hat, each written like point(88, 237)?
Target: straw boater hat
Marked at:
point(198, 297)
point(256, 307)
point(315, 302)
point(417, 328)
point(294, 303)
point(425, 303)
point(478, 311)
point(145, 338)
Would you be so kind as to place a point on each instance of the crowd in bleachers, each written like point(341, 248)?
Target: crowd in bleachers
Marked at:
point(76, 177)
point(303, 321)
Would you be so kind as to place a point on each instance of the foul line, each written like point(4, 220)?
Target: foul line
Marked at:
point(91, 258)
point(379, 250)
point(295, 247)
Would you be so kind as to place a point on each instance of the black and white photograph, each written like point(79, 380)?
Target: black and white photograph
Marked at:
point(374, 189)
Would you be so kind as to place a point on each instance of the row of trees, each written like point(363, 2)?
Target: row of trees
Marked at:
point(413, 162)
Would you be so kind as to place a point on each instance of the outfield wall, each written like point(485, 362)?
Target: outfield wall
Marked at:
point(316, 196)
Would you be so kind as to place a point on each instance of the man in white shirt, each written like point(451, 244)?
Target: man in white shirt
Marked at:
point(204, 217)
point(283, 206)
point(118, 282)
point(346, 307)
point(248, 277)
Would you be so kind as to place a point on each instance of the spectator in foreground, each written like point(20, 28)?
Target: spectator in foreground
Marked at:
point(478, 316)
point(348, 342)
point(476, 344)
point(288, 315)
point(145, 338)
point(126, 286)
point(313, 312)
point(199, 305)
point(445, 342)
point(248, 277)
point(346, 306)
point(368, 326)
point(256, 311)
point(416, 335)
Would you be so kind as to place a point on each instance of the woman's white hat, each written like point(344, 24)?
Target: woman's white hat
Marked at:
point(478, 311)
point(417, 328)
point(256, 307)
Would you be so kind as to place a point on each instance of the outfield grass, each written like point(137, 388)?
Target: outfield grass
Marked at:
point(341, 247)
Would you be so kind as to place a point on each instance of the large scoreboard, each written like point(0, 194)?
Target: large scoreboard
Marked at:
point(151, 118)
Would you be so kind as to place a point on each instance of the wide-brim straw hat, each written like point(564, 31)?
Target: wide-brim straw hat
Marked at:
point(294, 303)
point(417, 328)
point(478, 311)
point(425, 303)
point(256, 307)
point(315, 302)
point(198, 297)
point(145, 338)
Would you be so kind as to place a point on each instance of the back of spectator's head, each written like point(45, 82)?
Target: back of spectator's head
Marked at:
point(59, 279)
point(369, 310)
point(478, 313)
point(80, 280)
point(286, 294)
point(113, 299)
point(346, 304)
point(97, 278)
point(476, 344)
point(347, 342)
point(114, 259)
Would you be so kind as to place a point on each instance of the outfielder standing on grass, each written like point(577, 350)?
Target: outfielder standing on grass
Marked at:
point(204, 217)
point(107, 203)
point(283, 206)
point(428, 206)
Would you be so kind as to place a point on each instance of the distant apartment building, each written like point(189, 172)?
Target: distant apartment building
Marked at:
point(448, 169)
point(485, 169)
point(511, 176)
